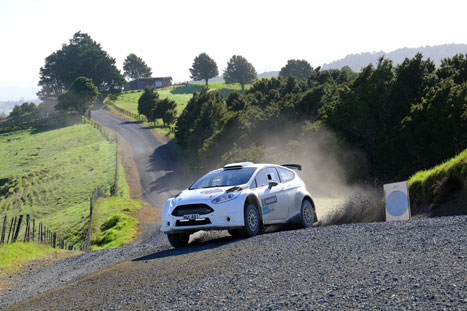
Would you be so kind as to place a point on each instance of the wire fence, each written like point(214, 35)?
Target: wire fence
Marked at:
point(17, 230)
point(27, 229)
point(127, 113)
point(97, 193)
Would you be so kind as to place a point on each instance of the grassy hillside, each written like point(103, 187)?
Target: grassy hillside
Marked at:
point(439, 184)
point(51, 175)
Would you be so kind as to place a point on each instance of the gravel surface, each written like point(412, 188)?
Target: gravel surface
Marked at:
point(414, 265)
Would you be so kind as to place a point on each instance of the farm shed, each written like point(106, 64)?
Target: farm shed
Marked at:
point(149, 82)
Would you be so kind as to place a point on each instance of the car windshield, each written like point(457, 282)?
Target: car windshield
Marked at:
point(223, 178)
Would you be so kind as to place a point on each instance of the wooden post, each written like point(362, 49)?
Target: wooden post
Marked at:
point(26, 230)
point(18, 226)
point(55, 240)
point(4, 229)
point(39, 235)
point(12, 226)
point(33, 229)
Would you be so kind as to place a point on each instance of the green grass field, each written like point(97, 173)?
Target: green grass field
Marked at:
point(51, 174)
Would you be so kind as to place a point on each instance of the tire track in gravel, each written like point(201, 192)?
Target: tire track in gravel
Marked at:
point(161, 175)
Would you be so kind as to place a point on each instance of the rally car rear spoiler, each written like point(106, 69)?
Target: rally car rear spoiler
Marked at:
point(293, 166)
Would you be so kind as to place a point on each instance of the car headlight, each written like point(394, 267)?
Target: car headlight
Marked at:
point(225, 197)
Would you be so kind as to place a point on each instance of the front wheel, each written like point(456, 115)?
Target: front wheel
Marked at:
point(252, 221)
point(307, 214)
point(178, 240)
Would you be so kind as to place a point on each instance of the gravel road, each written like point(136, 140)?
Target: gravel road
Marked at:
point(161, 176)
point(415, 265)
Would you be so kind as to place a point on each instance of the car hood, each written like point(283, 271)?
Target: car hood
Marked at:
point(206, 194)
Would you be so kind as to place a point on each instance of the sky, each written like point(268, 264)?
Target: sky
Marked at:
point(169, 34)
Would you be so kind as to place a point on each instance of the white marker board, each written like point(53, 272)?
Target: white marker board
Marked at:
point(397, 201)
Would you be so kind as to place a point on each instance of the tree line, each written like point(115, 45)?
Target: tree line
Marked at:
point(401, 118)
point(81, 73)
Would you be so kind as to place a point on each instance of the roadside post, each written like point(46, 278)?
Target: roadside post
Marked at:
point(397, 201)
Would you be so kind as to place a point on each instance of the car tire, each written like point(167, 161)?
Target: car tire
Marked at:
point(307, 214)
point(178, 240)
point(235, 232)
point(252, 221)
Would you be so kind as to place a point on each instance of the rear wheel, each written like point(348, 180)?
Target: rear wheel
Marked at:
point(252, 221)
point(178, 240)
point(307, 214)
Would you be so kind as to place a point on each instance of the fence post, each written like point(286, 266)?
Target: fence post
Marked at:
point(55, 240)
point(39, 235)
point(12, 225)
point(3, 229)
point(18, 226)
point(26, 231)
point(33, 229)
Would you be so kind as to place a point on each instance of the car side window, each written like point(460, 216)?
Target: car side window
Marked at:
point(267, 175)
point(254, 184)
point(285, 174)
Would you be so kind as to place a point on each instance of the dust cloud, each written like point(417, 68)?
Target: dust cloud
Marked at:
point(334, 174)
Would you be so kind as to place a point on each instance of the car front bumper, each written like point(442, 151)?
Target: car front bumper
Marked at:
point(226, 215)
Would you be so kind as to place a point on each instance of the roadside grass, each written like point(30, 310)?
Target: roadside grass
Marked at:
point(437, 184)
point(113, 225)
point(15, 255)
point(50, 174)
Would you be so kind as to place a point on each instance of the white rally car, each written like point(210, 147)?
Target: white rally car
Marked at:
point(240, 197)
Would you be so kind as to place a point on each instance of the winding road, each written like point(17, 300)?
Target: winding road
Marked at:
point(161, 174)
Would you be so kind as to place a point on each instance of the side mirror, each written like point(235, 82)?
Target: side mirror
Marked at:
point(272, 184)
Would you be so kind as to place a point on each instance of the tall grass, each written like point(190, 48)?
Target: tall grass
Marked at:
point(438, 183)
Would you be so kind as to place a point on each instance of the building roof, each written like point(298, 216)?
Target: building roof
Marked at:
point(154, 79)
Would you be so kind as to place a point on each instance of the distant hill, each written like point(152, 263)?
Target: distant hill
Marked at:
point(269, 74)
point(436, 53)
point(7, 106)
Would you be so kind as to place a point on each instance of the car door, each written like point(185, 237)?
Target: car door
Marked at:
point(274, 203)
point(290, 188)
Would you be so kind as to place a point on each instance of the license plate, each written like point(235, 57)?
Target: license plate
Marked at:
point(191, 216)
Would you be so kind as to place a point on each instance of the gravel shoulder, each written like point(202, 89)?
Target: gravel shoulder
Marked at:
point(414, 265)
